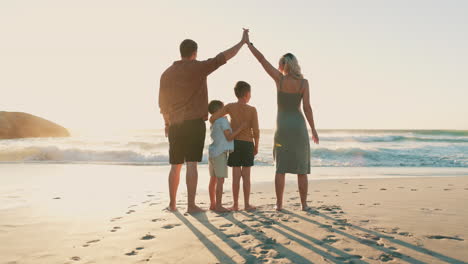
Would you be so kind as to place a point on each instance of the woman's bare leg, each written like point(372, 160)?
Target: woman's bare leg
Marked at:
point(279, 188)
point(303, 185)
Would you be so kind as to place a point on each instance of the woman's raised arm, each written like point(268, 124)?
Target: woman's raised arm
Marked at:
point(272, 71)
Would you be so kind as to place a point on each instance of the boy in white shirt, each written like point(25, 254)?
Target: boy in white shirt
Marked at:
point(222, 137)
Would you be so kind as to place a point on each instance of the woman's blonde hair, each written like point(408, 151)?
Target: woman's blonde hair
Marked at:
point(291, 65)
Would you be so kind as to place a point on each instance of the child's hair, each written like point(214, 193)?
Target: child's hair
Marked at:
point(241, 89)
point(214, 106)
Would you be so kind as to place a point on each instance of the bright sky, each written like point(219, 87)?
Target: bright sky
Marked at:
point(371, 64)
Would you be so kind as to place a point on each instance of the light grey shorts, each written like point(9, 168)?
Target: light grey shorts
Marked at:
point(218, 166)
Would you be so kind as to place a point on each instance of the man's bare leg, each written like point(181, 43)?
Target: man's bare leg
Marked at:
point(191, 180)
point(245, 172)
point(174, 178)
point(213, 192)
point(236, 175)
point(219, 197)
point(279, 188)
point(303, 185)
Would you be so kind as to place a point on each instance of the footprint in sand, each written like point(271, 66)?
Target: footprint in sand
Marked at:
point(376, 204)
point(115, 219)
point(131, 253)
point(75, 258)
point(383, 189)
point(131, 206)
point(447, 189)
point(385, 258)
point(404, 234)
point(158, 219)
point(148, 237)
point(130, 211)
point(150, 195)
point(445, 237)
point(355, 192)
point(115, 228)
point(226, 225)
point(330, 239)
point(152, 204)
point(91, 242)
point(56, 198)
point(169, 226)
point(413, 190)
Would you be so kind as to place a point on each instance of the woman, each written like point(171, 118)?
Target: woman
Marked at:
point(291, 148)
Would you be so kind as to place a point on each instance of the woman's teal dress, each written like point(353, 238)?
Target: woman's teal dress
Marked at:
point(292, 148)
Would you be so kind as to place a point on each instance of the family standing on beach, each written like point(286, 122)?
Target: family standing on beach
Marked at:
point(183, 100)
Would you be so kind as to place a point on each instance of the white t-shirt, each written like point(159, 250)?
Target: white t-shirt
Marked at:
point(219, 143)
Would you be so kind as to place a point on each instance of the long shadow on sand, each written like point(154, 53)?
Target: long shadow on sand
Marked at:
point(217, 252)
point(249, 258)
point(373, 244)
point(269, 242)
point(342, 255)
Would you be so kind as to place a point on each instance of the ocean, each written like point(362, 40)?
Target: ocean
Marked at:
point(337, 148)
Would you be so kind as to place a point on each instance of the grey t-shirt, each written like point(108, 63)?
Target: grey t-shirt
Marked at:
point(219, 143)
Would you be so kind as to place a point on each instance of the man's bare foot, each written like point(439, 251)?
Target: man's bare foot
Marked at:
point(213, 207)
point(194, 209)
point(250, 208)
point(279, 208)
point(221, 209)
point(234, 208)
point(172, 207)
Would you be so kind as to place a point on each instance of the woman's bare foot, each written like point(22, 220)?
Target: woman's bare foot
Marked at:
point(279, 208)
point(306, 208)
point(250, 208)
point(221, 209)
point(213, 207)
point(194, 209)
point(234, 208)
point(172, 207)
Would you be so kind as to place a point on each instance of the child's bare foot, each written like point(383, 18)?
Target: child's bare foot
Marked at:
point(221, 209)
point(213, 207)
point(194, 209)
point(234, 208)
point(250, 208)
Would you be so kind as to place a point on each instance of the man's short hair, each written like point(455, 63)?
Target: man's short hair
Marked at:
point(214, 106)
point(241, 89)
point(187, 48)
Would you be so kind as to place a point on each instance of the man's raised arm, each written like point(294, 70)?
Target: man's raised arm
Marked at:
point(212, 64)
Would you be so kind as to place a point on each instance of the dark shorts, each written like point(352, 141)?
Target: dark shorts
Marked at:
point(186, 141)
point(243, 155)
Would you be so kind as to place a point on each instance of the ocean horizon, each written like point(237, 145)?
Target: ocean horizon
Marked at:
point(337, 148)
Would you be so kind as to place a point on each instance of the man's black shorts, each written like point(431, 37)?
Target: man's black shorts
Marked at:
point(186, 141)
point(243, 155)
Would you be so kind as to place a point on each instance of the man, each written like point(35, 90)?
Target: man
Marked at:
point(183, 100)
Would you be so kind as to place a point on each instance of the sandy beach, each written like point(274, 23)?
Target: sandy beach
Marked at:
point(115, 214)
